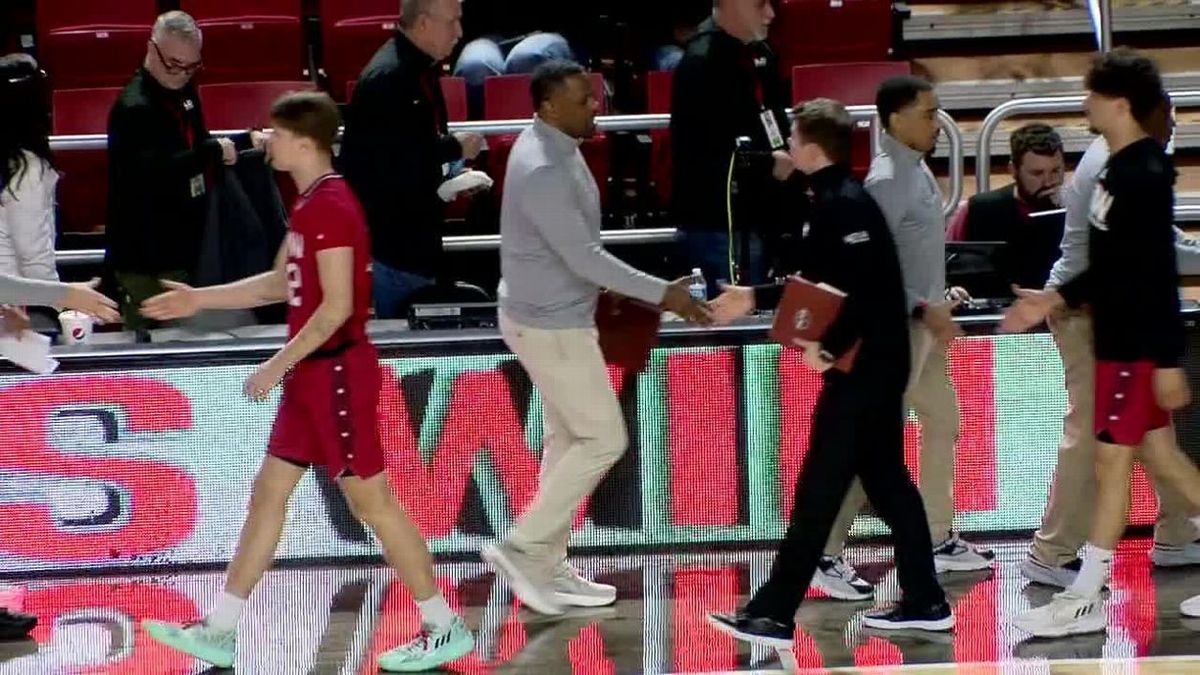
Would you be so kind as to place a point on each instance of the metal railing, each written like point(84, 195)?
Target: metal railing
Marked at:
point(1034, 106)
point(610, 123)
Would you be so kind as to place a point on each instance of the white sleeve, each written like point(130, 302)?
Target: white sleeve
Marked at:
point(30, 208)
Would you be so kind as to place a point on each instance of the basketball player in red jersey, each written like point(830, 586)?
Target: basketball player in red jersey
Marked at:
point(331, 377)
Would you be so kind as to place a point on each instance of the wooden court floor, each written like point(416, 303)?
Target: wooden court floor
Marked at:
point(337, 621)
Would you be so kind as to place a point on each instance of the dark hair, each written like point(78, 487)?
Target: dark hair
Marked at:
point(896, 94)
point(25, 100)
point(549, 77)
point(1160, 123)
point(311, 114)
point(1036, 137)
point(1125, 73)
point(825, 122)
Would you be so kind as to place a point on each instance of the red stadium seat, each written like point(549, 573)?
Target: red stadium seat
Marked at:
point(852, 84)
point(250, 40)
point(832, 31)
point(83, 188)
point(242, 105)
point(454, 91)
point(93, 44)
point(658, 101)
point(352, 31)
point(506, 97)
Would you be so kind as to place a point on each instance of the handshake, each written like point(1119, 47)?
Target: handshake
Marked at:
point(721, 310)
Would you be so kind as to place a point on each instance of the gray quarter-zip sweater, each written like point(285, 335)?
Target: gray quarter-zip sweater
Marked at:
point(552, 263)
point(911, 201)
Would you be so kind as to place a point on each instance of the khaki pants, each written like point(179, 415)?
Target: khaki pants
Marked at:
point(584, 429)
point(931, 395)
point(1068, 517)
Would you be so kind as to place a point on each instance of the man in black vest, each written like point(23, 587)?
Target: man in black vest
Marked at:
point(1004, 214)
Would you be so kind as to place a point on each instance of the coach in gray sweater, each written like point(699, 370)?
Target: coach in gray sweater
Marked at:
point(553, 267)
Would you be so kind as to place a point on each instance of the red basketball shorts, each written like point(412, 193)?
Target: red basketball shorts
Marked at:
point(329, 414)
point(1126, 408)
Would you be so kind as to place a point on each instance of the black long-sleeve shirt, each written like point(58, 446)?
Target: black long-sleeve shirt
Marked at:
point(720, 89)
point(395, 144)
point(1132, 282)
point(848, 245)
point(158, 148)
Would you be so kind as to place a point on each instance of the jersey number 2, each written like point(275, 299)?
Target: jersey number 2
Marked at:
point(293, 284)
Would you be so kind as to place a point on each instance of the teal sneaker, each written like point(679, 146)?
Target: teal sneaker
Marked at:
point(196, 639)
point(430, 650)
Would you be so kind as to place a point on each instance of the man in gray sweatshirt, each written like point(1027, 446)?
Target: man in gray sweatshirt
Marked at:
point(553, 267)
point(1054, 555)
point(911, 201)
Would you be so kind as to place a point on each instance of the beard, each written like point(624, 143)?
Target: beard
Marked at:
point(1045, 200)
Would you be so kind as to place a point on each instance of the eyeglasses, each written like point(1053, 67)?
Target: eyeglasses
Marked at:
point(174, 67)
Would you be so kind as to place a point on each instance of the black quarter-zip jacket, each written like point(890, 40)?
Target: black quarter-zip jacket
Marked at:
point(847, 245)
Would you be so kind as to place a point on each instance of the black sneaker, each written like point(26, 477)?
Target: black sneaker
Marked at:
point(902, 616)
point(758, 630)
point(14, 626)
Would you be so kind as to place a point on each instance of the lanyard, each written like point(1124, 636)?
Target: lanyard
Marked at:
point(428, 85)
point(186, 130)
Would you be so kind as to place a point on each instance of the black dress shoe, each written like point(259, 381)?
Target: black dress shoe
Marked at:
point(758, 630)
point(935, 617)
point(14, 626)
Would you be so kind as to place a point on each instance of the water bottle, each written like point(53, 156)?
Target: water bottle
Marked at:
point(698, 289)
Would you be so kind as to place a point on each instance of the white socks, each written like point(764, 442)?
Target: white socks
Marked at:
point(436, 612)
point(225, 616)
point(1097, 564)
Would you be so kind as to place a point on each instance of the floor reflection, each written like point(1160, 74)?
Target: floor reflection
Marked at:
point(338, 620)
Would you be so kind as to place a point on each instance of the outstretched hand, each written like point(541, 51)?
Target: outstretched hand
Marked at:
point(1032, 307)
point(178, 302)
point(733, 303)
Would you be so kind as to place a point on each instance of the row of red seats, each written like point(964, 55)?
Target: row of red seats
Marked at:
point(93, 44)
point(82, 192)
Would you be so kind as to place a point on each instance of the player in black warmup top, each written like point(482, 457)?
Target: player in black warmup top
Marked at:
point(858, 427)
point(1132, 286)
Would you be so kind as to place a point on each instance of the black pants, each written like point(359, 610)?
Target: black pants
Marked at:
point(858, 430)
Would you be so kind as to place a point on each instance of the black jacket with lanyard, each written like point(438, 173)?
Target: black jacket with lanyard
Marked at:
point(161, 163)
point(725, 89)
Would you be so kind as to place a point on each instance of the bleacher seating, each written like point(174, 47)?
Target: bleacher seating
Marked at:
point(832, 31)
point(852, 84)
point(250, 40)
point(83, 188)
point(351, 32)
point(93, 44)
point(241, 105)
